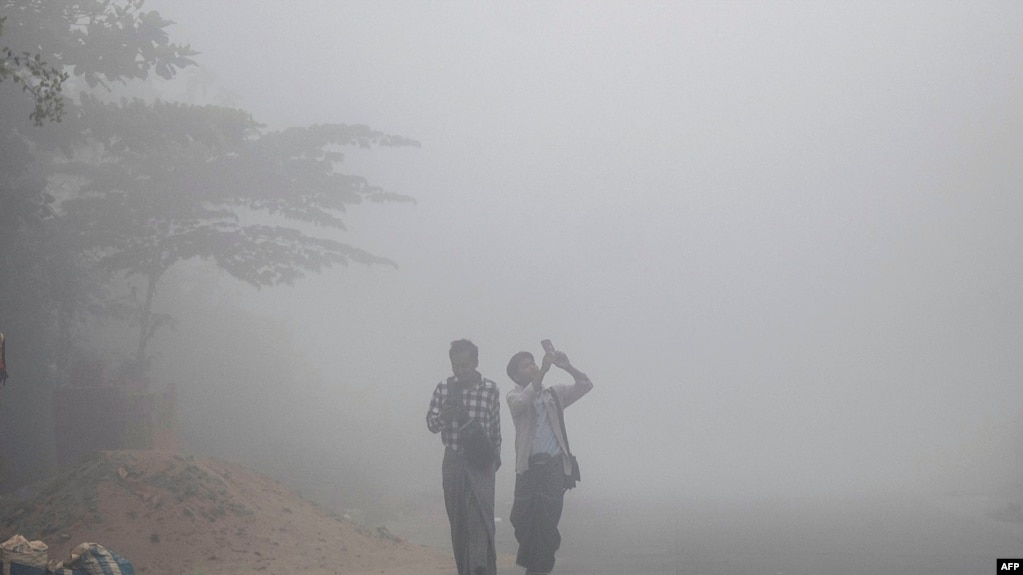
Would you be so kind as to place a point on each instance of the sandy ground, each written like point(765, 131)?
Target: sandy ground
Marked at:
point(171, 514)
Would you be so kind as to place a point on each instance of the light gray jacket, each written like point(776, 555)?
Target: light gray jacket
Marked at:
point(520, 402)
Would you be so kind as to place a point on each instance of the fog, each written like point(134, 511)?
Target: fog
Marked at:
point(783, 240)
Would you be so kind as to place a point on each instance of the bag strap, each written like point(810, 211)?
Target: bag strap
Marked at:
point(561, 419)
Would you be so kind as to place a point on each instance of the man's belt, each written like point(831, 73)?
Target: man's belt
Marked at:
point(538, 459)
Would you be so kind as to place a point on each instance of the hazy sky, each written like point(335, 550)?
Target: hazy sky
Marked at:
point(784, 239)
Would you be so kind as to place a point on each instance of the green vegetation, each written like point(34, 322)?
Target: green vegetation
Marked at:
point(101, 195)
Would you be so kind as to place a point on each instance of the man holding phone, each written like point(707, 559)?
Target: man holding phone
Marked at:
point(466, 411)
point(542, 456)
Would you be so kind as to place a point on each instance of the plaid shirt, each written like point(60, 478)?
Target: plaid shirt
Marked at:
point(482, 400)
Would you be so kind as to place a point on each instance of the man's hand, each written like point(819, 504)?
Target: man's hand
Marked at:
point(560, 359)
point(545, 364)
point(452, 412)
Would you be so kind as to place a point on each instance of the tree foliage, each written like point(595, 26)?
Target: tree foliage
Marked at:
point(130, 188)
point(99, 41)
point(174, 182)
point(43, 283)
point(42, 81)
point(50, 49)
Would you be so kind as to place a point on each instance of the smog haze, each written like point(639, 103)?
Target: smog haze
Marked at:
point(783, 240)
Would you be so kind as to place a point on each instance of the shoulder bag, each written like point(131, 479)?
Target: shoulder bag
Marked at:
point(574, 477)
point(473, 438)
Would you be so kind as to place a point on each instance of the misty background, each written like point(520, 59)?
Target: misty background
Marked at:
point(783, 239)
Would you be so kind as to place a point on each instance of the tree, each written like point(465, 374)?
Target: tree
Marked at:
point(46, 42)
point(174, 182)
point(51, 47)
point(132, 188)
point(101, 42)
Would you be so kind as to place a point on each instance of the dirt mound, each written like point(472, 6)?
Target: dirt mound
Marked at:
point(172, 514)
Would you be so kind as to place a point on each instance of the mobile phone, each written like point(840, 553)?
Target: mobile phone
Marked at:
point(547, 345)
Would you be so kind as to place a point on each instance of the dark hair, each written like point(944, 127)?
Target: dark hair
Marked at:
point(513, 364)
point(462, 346)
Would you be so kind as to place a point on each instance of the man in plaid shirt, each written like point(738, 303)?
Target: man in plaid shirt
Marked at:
point(468, 486)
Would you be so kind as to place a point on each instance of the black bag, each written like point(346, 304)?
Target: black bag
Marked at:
point(473, 438)
point(479, 451)
point(574, 477)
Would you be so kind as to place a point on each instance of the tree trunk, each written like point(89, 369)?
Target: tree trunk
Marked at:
point(146, 326)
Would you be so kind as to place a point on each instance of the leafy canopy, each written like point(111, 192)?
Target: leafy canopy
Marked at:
point(176, 182)
point(148, 185)
point(99, 41)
